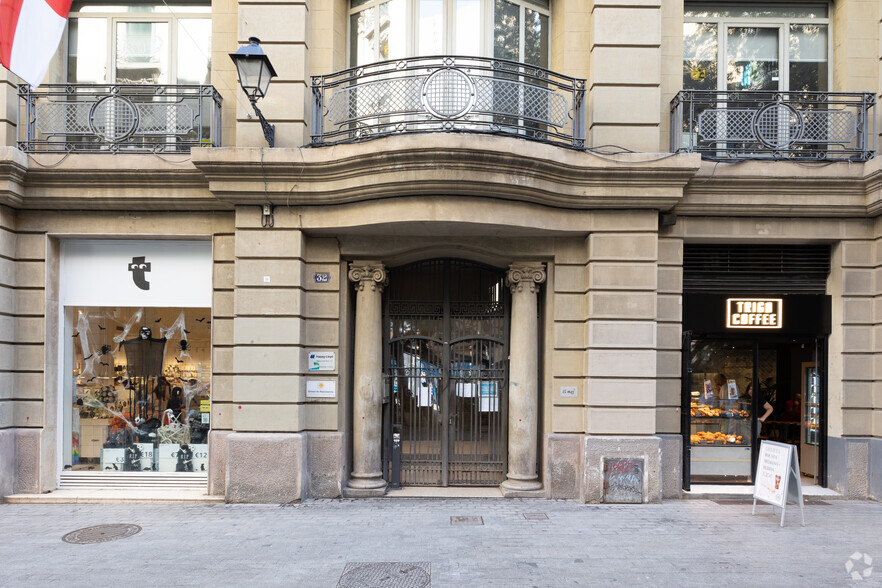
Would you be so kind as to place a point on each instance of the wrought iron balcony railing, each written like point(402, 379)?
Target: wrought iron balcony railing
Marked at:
point(110, 118)
point(829, 126)
point(443, 94)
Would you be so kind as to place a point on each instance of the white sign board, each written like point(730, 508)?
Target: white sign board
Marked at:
point(771, 473)
point(777, 477)
point(136, 273)
point(322, 361)
point(167, 457)
point(200, 457)
point(112, 459)
point(321, 388)
point(568, 391)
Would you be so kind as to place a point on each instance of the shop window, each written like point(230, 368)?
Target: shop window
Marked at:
point(139, 44)
point(774, 47)
point(140, 389)
point(721, 433)
point(518, 30)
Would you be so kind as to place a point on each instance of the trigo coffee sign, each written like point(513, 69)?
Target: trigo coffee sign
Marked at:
point(753, 313)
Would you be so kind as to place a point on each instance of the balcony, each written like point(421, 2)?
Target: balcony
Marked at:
point(807, 126)
point(448, 94)
point(87, 118)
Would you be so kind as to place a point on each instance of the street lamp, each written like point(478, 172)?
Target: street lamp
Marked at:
point(255, 72)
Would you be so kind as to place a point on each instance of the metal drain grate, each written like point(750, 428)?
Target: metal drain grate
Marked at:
point(101, 534)
point(535, 516)
point(386, 575)
point(475, 521)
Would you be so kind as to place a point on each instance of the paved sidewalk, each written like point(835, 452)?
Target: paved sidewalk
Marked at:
point(677, 543)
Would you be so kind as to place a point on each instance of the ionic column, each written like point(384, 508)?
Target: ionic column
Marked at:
point(367, 475)
point(523, 380)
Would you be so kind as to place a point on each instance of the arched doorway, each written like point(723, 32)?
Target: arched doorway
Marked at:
point(446, 332)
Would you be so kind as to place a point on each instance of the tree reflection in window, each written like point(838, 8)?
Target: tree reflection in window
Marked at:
point(519, 29)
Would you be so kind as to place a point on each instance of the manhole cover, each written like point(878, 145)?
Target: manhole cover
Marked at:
point(535, 516)
point(101, 533)
point(477, 521)
point(386, 575)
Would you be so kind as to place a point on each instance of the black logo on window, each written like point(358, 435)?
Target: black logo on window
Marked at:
point(139, 267)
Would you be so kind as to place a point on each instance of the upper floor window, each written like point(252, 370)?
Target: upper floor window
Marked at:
point(139, 44)
point(518, 30)
point(766, 47)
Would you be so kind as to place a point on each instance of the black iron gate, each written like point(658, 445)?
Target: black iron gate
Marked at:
point(446, 365)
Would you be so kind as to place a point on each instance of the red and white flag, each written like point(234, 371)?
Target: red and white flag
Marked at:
point(30, 31)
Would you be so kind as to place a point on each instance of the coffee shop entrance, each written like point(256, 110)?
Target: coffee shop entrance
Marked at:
point(754, 368)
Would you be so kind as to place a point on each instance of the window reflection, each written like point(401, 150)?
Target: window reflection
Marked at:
point(431, 27)
point(149, 44)
point(720, 10)
point(518, 30)
point(752, 62)
point(363, 42)
point(506, 27)
point(194, 51)
point(750, 51)
point(700, 48)
point(142, 53)
point(808, 58)
point(535, 38)
point(468, 27)
point(87, 50)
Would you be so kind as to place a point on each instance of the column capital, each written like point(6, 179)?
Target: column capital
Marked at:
point(368, 272)
point(525, 273)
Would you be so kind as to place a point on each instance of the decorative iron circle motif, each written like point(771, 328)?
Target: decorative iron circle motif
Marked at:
point(114, 118)
point(101, 534)
point(778, 125)
point(448, 93)
point(387, 575)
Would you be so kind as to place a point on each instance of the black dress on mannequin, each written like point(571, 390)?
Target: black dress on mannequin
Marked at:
point(143, 367)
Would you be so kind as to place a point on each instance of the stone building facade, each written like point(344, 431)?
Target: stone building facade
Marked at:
point(586, 250)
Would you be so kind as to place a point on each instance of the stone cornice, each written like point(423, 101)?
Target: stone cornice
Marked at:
point(13, 168)
point(105, 182)
point(873, 180)
point(453, 164)
point(782, 189)
point(440, 165)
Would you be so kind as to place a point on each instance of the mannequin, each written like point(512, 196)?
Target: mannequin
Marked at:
point(144, 368)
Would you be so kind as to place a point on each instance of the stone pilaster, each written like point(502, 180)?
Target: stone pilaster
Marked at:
point(366, 478)
point(282, 27)
point(523, 382)
point(625, 44)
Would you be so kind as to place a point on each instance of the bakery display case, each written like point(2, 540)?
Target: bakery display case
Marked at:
point(719, 440)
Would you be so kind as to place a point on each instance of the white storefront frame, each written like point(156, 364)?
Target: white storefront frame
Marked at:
point(181, 275)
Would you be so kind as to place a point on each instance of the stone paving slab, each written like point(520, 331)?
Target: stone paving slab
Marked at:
point(676, 543)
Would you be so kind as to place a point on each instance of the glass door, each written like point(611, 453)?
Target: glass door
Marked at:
point(811, 418)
